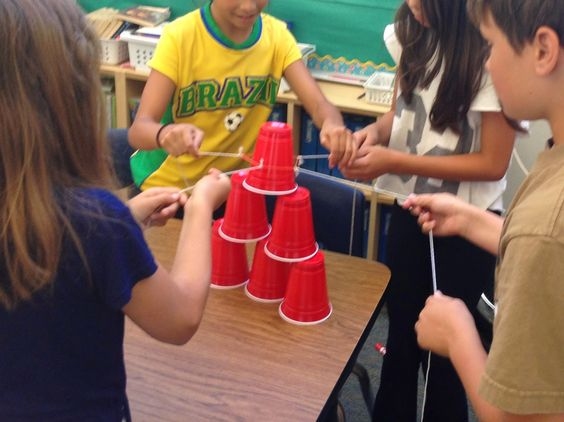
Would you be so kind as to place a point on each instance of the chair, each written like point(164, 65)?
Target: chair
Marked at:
point(333, 217)
point(120, 153)
point(337, 209)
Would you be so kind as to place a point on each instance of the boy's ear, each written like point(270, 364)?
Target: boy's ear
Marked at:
point(547, 50)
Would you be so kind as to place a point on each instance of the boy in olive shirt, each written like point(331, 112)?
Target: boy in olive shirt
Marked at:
point(522, 377)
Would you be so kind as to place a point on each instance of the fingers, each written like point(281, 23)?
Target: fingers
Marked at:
point(418, 202)
point(340, 144)
point(160, 216)
point(213, 188)
point(193, 140)
point(183, 139)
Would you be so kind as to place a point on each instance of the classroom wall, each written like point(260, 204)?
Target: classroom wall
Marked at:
point(351, 29)
point(528, 148)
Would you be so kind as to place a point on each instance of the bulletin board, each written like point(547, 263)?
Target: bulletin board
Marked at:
point(347, 29)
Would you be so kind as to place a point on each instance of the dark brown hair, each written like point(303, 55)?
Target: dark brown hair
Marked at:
point(458, 48)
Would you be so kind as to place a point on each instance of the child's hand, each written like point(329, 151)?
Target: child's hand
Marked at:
point(366, 136)
point(211, 189)
point(371, 161)
point(182, 138)
point(338, 140)
point(155, 206)
point(443, 213)
point(444, 323)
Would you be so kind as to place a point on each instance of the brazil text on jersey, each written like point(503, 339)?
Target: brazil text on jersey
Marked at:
point(210, 95)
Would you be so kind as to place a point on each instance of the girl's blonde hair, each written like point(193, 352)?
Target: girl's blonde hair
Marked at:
point(52, 136)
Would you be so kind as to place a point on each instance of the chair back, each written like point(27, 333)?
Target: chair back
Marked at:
point(337, 208)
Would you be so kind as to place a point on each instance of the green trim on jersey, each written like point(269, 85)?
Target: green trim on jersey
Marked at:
point(146, 163)
point(216, 32)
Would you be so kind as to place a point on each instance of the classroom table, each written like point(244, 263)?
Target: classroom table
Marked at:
point(247, 364)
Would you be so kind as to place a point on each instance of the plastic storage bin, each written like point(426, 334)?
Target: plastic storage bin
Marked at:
point(114, 51)
point(379, 88)
point(141, 49)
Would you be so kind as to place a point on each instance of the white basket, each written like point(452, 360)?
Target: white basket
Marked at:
point(114, 51)
point(141, 49)
point(379, 88)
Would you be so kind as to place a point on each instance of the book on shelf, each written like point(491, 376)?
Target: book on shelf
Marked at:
point(144, 15)
point(106, 23)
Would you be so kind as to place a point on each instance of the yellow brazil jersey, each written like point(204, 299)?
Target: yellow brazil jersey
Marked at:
point(224, 89)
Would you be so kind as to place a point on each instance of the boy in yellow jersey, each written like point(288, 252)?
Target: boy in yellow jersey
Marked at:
point(221, 67)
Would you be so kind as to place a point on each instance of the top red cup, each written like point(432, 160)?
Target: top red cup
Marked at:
point(274, 152)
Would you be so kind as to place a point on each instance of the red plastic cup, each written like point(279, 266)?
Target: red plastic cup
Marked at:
point(230, 267)
point(268, 278)
point(274, 150)
point(245, 219)
point(293, 237)
point(307, 301)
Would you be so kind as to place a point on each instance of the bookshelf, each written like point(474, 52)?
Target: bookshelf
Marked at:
point(129, 83)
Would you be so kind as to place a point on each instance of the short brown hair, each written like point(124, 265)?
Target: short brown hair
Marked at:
point(520, 19)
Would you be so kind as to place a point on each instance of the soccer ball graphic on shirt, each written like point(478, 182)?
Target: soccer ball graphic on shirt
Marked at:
point(232, 121)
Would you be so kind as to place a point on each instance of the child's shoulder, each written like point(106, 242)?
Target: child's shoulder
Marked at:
point(538, 206)
point(273, 23)
point(187, 19)
point(95, 201)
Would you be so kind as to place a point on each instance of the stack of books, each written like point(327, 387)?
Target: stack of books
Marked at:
point(109, 23)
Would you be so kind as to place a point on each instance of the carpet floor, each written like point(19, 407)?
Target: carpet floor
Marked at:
point(351, 398)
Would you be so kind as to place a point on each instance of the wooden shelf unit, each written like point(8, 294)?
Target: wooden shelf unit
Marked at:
point(129, 83)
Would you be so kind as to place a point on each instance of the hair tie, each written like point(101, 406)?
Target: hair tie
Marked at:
point(159, 133)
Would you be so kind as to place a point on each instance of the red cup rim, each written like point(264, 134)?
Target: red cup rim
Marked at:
point(298, 322)
point(244, 240)
point(227, 286)
point(254, 189)
point(261, 299)
point(272, 255)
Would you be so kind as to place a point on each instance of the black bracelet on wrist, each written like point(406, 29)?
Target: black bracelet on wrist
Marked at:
point(159, 133)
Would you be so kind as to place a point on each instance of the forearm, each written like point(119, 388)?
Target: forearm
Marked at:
point(143, 133)
point(325, 113)
point(482, 228)
point(383, 128)
point(154, 101)
point(469, 359)
point(467, 167)
point(191, 268)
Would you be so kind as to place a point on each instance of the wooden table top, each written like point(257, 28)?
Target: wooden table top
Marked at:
point(247, 364)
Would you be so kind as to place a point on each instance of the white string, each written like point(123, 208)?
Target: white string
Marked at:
point(339, 180)
point(390, 193)
point(433, 267)
point(434, 278)
point(353, 215)
point(225, 173)
point(313, 157)
point(220, 154)
point(520, 163)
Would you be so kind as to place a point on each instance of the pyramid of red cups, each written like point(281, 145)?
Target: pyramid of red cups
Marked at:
point(287, 265)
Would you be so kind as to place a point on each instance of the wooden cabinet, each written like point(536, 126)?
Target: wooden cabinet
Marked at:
point(129, 83)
